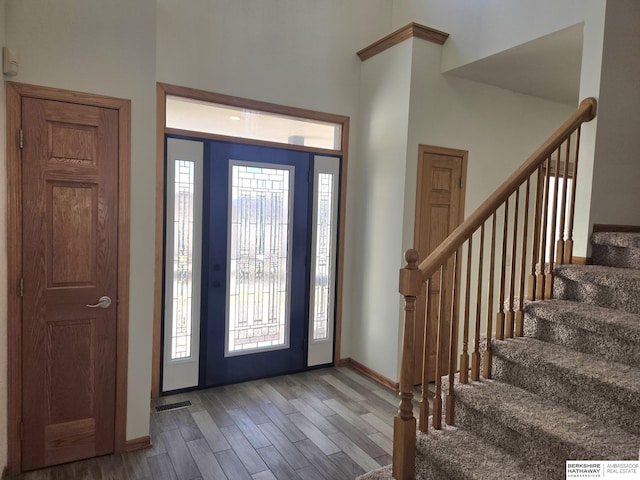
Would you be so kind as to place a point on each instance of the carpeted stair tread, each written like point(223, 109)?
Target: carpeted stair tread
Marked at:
point(616, 249)
point(616, 239)
point(599, 274)
point(608, 391)
point(556, 428)
point(613, 335)
point(458, 454)
point(609, 287)
point(605, 321)
point(624, 379)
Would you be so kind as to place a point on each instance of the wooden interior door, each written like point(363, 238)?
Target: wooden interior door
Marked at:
point(70, 253)
point(439, 209)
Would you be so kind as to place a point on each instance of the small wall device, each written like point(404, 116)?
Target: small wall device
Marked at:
point(9, 62)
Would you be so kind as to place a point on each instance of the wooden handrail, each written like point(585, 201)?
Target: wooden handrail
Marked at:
point(585, 112)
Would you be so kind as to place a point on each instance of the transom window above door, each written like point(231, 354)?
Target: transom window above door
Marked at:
point(207, 117)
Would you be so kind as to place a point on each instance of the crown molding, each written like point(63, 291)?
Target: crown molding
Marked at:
point(408, 31)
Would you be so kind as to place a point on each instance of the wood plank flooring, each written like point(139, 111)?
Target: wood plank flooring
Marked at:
point(326, 424)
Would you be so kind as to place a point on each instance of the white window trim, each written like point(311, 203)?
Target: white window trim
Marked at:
point(320, 352)
point(183, 372)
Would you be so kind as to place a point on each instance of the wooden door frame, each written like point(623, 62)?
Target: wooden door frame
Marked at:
point(14, 94)
point(162, 90)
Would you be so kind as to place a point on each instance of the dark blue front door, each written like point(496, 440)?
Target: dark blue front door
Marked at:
point(256, 226)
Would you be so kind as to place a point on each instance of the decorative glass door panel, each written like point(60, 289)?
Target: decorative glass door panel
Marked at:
point(182, 264)
point(183, 252)
point(324, 256)
point(259, 257)
point(256, 231)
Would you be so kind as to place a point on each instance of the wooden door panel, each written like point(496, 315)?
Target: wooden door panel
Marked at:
point(439, 226)
point(69, 379)
point(72, 256)
point(72, 143)
point(441, 178)
point(65, 442)
point(439, 210)
point(70, 212)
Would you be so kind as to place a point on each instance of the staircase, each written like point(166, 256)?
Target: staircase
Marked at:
point(568, 389)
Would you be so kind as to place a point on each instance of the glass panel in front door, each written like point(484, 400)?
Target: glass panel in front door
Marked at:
point(259, 257)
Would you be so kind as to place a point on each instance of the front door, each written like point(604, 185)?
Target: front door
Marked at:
point(256, 226)
point(70, 238)
point(250, 257)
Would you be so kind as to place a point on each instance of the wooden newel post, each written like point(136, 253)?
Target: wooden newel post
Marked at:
point(404, 423)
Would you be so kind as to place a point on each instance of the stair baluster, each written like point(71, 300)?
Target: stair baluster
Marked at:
point(552, 240)
point(563, 206)
point(437, 397)
point(464, 356)
point(568, 248)
point(475, 357)
point(512, 277)
point(486, 370)
point(523, 262)
point(453, 338)
point(533, 277)
point(541, 274)
point(503, 268)
point(424, 398)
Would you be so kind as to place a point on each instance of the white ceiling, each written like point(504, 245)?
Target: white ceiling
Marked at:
point(547, 67)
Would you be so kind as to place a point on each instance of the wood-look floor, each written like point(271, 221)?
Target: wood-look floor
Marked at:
point(323, 424)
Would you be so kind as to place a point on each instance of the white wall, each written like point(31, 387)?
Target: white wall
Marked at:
point(300, 53)
point(616, 175)
point(3, 259)
point(480, 29)
point(378, 190)
point(499, 128)
point(105, 48)
point(407, 101)
point(292, 52)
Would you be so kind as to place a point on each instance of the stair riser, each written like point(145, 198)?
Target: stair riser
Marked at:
point(450, 453)
point(546, 457)
point(620, 257)
point(428, 470)
point(605, 346)
point(621, 298)
point(584, 395)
